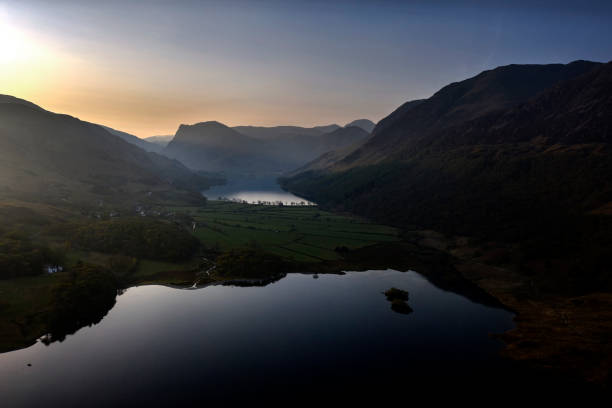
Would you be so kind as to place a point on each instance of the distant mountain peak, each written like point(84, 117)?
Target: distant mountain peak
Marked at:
point(201, 145)
point(212, 124)
point(365, 124)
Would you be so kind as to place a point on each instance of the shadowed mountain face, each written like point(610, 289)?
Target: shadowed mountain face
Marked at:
point(212, 146)
point(459, 102)
point(490, 91)
point(342, 137)
point(420, 120)
point(522, 164)
point(56, 158)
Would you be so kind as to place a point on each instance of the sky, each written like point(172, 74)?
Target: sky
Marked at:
point(145, 67)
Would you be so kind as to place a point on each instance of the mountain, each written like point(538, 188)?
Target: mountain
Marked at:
point(149, 147)
point(365, 124)
point(489, 91)
point(135, 140)
point(458, 102)
point(161, 140)
point(54, 158)
point(519, 154)
point(212, 146)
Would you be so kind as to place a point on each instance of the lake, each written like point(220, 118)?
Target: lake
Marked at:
point(297, 338)
point(253, 190)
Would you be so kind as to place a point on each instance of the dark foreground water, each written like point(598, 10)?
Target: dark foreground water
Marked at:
point(296, 339)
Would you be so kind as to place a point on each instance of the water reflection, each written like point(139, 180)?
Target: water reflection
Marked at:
point(325, 336)
point(254, 190)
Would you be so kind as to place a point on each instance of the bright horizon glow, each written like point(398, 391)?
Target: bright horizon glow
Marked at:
point(24, 62)
point(147, 67)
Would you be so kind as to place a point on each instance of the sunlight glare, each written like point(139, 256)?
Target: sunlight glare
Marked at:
point(26, 63)
point(14, 45)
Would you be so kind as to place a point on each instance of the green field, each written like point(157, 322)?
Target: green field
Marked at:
point(303, 234)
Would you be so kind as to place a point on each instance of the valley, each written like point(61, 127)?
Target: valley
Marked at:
point(491, 191)
point(262, 203)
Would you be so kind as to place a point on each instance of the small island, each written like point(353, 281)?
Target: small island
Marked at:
point(399, 300)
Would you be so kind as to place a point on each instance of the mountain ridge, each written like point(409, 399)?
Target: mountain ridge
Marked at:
point(213, 146)
point(364, 124)
point(491, 90)
point(135, 140)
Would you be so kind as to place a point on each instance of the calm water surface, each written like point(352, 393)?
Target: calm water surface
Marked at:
point(252, 190)
point(296, 338)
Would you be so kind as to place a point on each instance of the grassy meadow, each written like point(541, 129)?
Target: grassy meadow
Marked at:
point(302, 234)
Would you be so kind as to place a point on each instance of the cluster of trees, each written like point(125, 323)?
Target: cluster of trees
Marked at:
point(19, 256)
point(137, 237)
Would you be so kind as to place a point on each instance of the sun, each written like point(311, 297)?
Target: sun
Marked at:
point(17, 46)
point(13, 44)
point(26, 62)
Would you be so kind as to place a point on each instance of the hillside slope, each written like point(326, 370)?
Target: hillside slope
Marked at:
point(489, 91)
point(56, 158)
